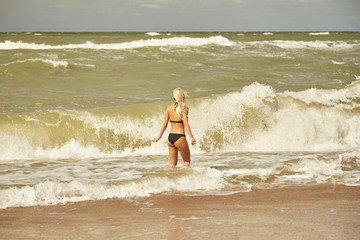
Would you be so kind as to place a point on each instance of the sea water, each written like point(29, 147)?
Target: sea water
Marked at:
point(78, 112)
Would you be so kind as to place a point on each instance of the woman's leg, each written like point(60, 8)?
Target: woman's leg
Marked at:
point(184, 150)
point(173, 153)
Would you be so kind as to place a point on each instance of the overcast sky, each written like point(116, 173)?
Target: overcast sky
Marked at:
point(179, 15)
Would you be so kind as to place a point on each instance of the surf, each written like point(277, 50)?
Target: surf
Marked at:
point(164, 42)
point(257, 118)
point(51, 192)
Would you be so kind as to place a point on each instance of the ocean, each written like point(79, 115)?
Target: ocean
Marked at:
point(268, 110)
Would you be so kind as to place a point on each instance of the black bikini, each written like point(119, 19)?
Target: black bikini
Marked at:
point(176, 121)
point(173, 137)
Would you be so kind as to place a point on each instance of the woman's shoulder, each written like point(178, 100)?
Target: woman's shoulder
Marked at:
point(170, 108)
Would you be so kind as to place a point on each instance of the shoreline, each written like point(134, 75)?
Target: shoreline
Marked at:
point(323, 211)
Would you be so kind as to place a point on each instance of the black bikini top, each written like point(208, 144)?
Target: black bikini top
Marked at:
point(176, 121)
point(175, 105)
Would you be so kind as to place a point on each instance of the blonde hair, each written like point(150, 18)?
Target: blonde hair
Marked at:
point(179, 95)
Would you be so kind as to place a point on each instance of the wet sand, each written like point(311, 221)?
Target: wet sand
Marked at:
point(304, 212)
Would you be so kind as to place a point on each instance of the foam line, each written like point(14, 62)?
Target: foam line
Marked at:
point(176, 41)
point(53, 63)
point(254, 119)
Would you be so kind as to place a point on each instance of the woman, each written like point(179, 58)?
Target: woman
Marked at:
point(177, 113)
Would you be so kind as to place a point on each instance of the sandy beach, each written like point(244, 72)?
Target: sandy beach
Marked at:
point(297, 212)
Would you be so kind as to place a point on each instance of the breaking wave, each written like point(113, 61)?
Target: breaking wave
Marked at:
point(55, 192)
point(289, 44)
point(254, 119)
point(175, 41)
point(53, 63)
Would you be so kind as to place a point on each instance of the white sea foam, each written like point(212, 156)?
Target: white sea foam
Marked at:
point(341, 98)
point(322, 45)
point(350, 161)
point(85, 185)
point(175, 41)
point(84, 65)
point(20, 148)
point(262, 173)
point(319, 33)
point(14, 148)
point(269, 121)
point(153, 34)
point(255, 119)
point(54, 192)
point(53, 63)
point(320, 170)
point(337, 63)
point(308, 169)
point(268, 33)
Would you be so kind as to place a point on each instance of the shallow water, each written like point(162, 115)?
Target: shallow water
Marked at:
point(78, 112)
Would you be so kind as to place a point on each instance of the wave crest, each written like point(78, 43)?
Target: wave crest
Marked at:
point(259, 119)
point(175, 41)
point(53, 63)
point(255, 119)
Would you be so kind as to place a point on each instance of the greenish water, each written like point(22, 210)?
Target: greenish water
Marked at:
point(90, 70)
point(78, 112)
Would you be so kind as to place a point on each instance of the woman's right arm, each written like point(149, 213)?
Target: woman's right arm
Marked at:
point(163, 127)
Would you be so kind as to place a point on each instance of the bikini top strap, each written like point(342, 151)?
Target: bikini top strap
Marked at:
point(176, 121)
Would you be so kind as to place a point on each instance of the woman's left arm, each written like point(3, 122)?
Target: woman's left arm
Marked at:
point(187, 126)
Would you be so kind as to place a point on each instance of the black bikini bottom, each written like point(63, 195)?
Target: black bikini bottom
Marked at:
point(173, 137)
